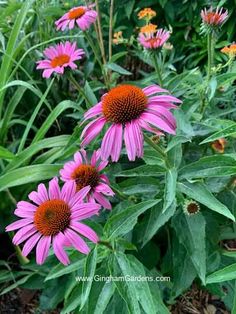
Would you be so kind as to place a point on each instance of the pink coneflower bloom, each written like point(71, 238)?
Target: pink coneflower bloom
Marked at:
point(154, 41)
point(54, 218)
point(83, 16)
point(59, 57)
point(130, 109)
point(86, 172)
point(214, 18)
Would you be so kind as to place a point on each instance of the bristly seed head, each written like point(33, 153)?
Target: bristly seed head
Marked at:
point(85, 175)
point(124, 103)
point(76, 13)
point(52, 217)
point(60, 60)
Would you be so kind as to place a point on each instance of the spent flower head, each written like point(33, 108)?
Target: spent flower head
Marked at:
point(219, 145)
point(191, 207)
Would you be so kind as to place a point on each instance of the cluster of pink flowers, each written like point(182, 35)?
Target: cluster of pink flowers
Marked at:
point(54, 215)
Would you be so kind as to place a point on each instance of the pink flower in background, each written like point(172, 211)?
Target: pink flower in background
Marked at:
point(214, 18)
point(83, 16)
point(54, 218)
point(59, 57)
point(154, 40)
point(86, 172)
point(129, 109)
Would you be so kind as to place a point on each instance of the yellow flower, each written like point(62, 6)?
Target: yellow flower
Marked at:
point(231, 50)
point(147, 14)
point(149, 29)
point(117, 38)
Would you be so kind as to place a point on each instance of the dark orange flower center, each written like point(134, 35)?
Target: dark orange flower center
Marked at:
point(214, 16)
point(85, 175)
point(153, 41)
point(76, 13)
point(124, 103)
point(60, 60)
point(51, 217)
point(192, 208)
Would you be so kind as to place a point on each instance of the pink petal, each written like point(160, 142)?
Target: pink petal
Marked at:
point(117, 145)
point(68, 191)
point(85, 231)
point(107, 142)
point(58, 242)
point(42, 249)
point(79, 196)
point(102, 200)
point(54, 190)
point(23, 234)
point(30, 244)
point(84, 211)
point(19, 224)
point(77, 241)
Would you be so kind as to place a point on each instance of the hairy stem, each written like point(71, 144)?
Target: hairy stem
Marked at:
point(100, 33)
point(157, 68)
point(110, 28)
point(158, 149)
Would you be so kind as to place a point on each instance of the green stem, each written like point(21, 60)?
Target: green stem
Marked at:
point(159, 151)
point(80, 90)
point(33, 116)
point(106, 243)
point(118, 192)
point(210, 55)
point(96, 54)
point(157, 68)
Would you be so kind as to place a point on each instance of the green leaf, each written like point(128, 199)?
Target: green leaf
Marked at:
point(183, 269)
point(170, 188)
point(117, 56)
point(28, 174)
point(61, 107)
point(90, 94)
point(117, 68)
point(211, 166)
point(154, 221)
point(191, 233)
point(141, 287)
point(89, 271)
point(199, 192)
point(5, 153)
point(143, 171)
point(228, 131)
point(6, 64)
point(225, 274)
point(19, 159)
point(60, 270)
point(104, 297)
point(123, 222)
point(126, 289)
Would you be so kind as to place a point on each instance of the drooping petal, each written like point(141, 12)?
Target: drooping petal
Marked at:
point(42, 249)
point(77, 241)
point(30, 244)
point(59, 241)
